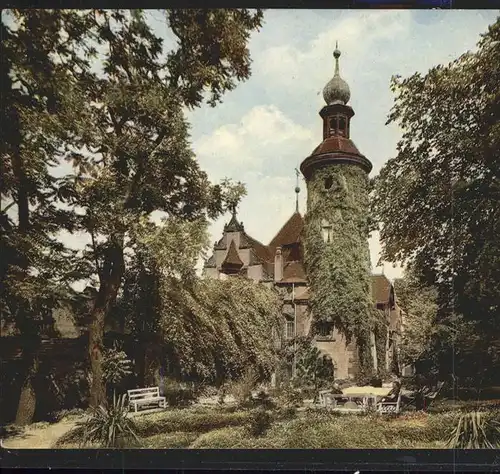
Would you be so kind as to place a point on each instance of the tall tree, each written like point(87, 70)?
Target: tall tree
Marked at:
point(208, 330)
point(438, 200)
point(132, 154)
point(40, 54)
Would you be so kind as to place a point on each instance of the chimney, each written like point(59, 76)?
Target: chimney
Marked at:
point(278, 265)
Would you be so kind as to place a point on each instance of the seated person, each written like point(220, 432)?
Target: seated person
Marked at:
point(393, 395)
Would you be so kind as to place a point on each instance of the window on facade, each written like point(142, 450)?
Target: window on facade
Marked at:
point(289, 330)
point(325, 329)
point(326, 231)
point(328, 182)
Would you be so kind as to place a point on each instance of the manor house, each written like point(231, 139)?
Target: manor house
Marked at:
point(336, 174)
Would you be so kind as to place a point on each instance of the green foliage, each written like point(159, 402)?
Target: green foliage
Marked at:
point(437, 201)
point(290, 397)
point(190, 420)
point(216, 329)
point(419, 303)
point(109, 427)
point(179, 395)
point(475, 430)
point(241, 388)
point(313, 369)
point(260, 422)
point(339, 270)
point(116, 366)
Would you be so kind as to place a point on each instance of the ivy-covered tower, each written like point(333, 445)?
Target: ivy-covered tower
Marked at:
point(336, 252)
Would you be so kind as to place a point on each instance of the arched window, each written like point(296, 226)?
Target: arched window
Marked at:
point(333, 126)
point(342, 126)
point(328, 182)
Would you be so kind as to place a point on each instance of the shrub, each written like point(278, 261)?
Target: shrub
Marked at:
point(241, 389)
point(109, 427)
point(199, 421)
point(288, 396)
point(116, 366)
point(475, 430)
point(263, 399)
point(260, 422)
point(287, 413)
point(56, 417)
point(179, 395)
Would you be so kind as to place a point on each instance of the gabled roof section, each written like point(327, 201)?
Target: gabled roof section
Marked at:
point(293, 272)
point(289, 233)
point(381, 289)
point(232, 260)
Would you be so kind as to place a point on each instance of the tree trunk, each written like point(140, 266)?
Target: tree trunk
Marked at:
point(25, 323)
point(110, 280)
point(96, 346)
point(27, 400)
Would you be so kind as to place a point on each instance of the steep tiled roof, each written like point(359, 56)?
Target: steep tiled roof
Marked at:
point(336, 144)
point(232, 259)
point(381, 289)
point(261, 250)
point(293, 272)
point(289, 233)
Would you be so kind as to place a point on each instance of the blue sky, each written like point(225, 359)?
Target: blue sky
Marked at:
point(270, 123)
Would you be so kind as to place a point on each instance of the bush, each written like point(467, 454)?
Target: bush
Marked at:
point(241, 389)
point(263, 399)
point(57, 416)
point(199, 421)
point(287, 413)
point(288, 396)
point(109, 427)
point(179, 395)
point(260, 422)
point(475, 430)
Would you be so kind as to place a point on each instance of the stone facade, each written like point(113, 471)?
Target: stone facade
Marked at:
point(280, 265)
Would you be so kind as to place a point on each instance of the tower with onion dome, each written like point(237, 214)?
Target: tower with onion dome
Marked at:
point(336, 252)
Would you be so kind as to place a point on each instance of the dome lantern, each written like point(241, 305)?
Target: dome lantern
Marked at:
point(336, 90)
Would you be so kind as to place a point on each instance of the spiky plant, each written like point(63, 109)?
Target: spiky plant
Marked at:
point(109, 427)
point(475, 430)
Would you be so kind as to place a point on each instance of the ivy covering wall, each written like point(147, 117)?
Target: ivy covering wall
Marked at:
point(339, 270)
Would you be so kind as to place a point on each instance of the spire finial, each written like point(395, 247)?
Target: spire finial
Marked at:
point(336, 55)
point(297, 190)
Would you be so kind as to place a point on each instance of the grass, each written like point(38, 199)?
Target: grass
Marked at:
point(222, 427)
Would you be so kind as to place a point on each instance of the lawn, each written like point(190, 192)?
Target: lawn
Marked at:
point(225, 427)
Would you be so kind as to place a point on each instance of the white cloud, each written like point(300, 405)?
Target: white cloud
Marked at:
point(264, 134)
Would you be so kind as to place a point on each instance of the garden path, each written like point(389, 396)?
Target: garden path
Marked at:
point(40, 435)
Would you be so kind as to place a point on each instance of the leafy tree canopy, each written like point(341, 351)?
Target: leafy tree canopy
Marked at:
point(437, 201)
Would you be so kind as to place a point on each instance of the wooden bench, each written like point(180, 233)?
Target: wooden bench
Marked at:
point(145, 396)
point(347, 403)
point(390, 407)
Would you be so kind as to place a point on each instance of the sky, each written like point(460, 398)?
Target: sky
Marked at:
point(265, 127)
point(270, 123)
